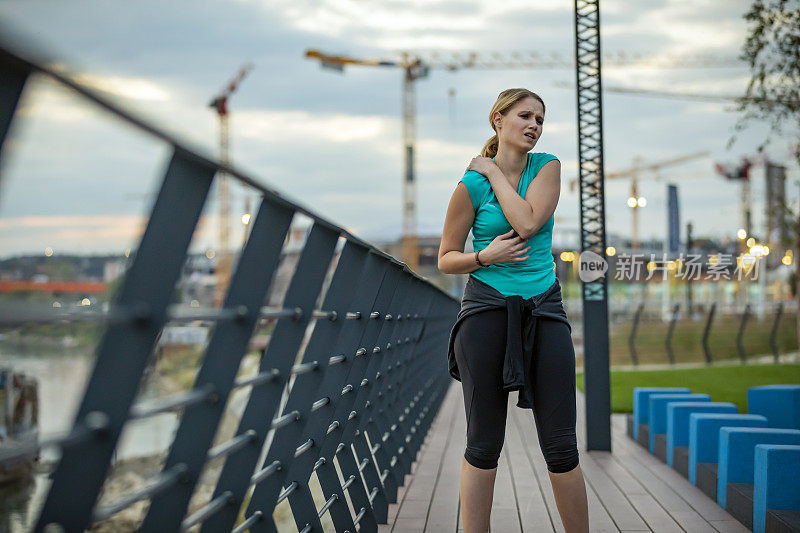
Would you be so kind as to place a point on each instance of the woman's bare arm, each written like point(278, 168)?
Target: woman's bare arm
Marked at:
point(527, 215)
point(524, 214)
point(517, 211)
point(457, 223)
point(543, 193)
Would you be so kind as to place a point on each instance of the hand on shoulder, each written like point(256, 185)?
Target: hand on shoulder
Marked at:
point(482, 165)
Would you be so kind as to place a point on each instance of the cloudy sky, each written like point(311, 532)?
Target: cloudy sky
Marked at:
point(78, 180)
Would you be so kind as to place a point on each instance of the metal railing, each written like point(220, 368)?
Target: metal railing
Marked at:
point(708, 316)
point(361, 397)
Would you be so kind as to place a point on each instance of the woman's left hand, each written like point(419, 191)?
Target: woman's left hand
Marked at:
point(482, 165)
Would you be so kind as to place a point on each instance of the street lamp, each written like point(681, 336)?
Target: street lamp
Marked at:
point(633, 201)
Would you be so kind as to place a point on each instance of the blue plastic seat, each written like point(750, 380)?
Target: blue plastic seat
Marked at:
point(704, 436)
point(640, 405)
point(678, 422)
point(657, 407)
point(737, 453)
point(779, 403)
point(776, 475)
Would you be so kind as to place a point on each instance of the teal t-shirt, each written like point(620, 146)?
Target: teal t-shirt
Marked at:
point(527, 278)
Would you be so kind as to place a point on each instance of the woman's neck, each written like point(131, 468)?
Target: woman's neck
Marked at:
point(511, 163)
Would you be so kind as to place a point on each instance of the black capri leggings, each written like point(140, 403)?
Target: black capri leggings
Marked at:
point(479, 349)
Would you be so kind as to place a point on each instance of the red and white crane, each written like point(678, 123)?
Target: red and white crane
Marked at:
point(224, 259)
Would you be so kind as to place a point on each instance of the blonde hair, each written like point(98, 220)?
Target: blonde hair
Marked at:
point(505, 101)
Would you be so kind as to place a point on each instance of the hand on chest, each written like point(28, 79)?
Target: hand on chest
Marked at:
point(491, 219)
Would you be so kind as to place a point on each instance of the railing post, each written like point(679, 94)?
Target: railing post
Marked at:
point(350, 411)
point(774, 333)
point(670, 331)
point(388, 350)
point(707, 331)
point(390, 428)
point(335, 444)
point(632, 338)
point(327, 420)
point(221, 362)
point(402, 397)
point(279, 356)
point(13, 75)
point(306, 389)
point(125, 347)
point(740, 334)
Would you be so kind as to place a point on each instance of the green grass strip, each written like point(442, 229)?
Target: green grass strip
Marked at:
point(723, 383)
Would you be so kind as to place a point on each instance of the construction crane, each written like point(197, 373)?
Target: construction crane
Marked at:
point(224, 258)
point(414, 69)
point(741, 173)
point(635, 202)
point(418, 66)
point(457, 60)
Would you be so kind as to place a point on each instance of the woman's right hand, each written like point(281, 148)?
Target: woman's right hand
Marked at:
point(505, 249)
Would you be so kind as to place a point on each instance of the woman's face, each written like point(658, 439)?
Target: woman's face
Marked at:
point(521, 126)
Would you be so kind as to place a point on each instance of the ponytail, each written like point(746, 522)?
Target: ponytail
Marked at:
point(491, 146)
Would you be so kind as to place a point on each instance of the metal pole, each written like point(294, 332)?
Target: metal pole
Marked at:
point(592, 210)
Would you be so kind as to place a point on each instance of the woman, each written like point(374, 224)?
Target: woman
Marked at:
point(512, 332)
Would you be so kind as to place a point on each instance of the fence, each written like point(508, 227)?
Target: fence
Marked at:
point(358, 397)
point(709, 333)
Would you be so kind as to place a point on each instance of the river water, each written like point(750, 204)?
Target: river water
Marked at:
point(62, 381)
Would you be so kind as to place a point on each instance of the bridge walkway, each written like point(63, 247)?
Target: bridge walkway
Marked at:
point(628, 489)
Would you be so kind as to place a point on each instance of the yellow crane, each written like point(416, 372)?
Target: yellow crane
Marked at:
point(635, 202)
point(224, 260)
point(414, 70)
point(417, 66)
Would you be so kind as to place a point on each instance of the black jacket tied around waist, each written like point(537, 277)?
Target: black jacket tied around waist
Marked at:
point(522, 318)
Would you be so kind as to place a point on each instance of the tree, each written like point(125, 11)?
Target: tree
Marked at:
point(772, 50)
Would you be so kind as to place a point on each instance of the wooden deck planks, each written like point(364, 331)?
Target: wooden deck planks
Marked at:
point(628, 490)
point(618, 506)
point(598, 516)
point(411, 510)
point(531, 444)
point(680, 511)
point(654, 515)
point(614, 501)
point(704, 506)
point(505, 514)
point(443, 514)
point(633, 458)
point(533, 511)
